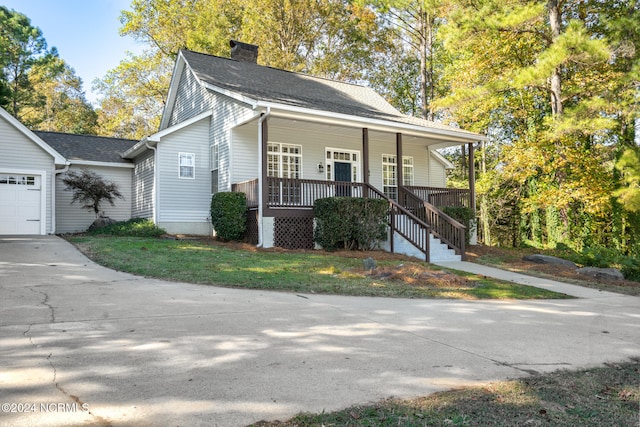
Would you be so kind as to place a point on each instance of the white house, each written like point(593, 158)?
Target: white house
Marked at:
point(283, 138)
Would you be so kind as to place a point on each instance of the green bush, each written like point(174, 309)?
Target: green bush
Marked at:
point(598, 257)
point(229, 215)
point(350, 223)
point(135, 227)
point(464, 216)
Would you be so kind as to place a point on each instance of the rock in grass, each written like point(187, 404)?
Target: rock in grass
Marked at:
point(369, 264)
point(548, 259)
point(601, 273)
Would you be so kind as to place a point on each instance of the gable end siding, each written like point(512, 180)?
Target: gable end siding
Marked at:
point(191, 99)
point(19, 152)
point(184, 200)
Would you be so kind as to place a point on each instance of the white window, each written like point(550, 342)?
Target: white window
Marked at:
point(390, 176)
point(215, 167)
point(407, 170)
point(284, 160)
point(187, 165)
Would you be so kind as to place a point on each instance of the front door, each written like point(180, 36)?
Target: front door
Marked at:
point(342, 173)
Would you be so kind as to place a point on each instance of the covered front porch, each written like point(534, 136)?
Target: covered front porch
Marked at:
point(301, 161)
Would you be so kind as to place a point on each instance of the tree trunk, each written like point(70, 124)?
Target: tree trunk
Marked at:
point(555, 23)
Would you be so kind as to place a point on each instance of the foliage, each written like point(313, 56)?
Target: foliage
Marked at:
point(91, 189)
point(629, 167)
point(22, 46)
point(135, 227)
point(36, 85)
point(59, 101)
point(552, 84)
point(133, 95)
point(229, 215)
point(603, 257)
point(465, 216)
point(350, 223)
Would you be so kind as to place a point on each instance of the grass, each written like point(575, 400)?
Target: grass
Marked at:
point(511, 259)
point(304, 272)
point(604, 396)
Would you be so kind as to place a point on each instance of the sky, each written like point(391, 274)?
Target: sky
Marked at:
point(85, 32)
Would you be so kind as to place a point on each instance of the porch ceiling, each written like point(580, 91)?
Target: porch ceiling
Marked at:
point(421, 137)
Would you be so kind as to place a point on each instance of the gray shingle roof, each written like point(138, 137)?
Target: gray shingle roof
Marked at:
point(87, 147)
point(268, 84)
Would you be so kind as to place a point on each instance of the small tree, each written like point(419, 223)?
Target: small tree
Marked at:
point(91, 189)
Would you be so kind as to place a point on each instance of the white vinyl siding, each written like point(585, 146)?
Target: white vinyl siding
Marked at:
point(184, 200)
point(437, 173)
point(191, 99)
point(21, 153)
point(72, 218)
point(142, 186)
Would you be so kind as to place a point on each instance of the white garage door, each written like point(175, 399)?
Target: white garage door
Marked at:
point(20, 211)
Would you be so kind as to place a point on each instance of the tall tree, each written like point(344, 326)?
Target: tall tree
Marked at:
point(133, 95)
point(418, 22)
point(543, 72)
point(22, 46)
point(59, 101)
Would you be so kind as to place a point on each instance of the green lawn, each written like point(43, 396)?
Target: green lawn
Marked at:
point(304, 272)
point(604, 396)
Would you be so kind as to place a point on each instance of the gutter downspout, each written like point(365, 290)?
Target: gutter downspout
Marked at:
point(154, 199)
point(53, 195)
point(263, 117)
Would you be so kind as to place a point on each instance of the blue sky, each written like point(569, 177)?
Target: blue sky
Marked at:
point(84, 31)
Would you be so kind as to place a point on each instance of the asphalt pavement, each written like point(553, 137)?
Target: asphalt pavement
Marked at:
point(84, 345)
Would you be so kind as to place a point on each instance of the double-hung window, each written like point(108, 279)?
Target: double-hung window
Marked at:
point(187, 165)
point(390, 174)
point(215, 168)
point(284, 161)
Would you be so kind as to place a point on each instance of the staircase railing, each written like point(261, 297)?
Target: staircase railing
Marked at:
point(445, 228)
point(403, 222)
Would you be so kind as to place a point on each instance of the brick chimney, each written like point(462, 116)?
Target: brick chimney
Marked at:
point(244, 52)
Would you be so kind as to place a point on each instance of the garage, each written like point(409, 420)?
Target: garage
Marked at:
point(20, 203)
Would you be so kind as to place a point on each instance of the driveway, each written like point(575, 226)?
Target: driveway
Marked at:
point(84, 345)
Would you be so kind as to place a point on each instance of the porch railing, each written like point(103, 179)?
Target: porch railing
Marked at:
point(250, 189)
point(442, 196)
point(301, 194)
point(447, 229)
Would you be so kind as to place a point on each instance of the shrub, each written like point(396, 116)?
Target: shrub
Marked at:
point(229, 215)
point(463, 215)
point(136, 227)
point(91, 189)
point(350, 223)
point(598, 257)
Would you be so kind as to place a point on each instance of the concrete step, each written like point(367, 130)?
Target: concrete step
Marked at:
point(440, 252)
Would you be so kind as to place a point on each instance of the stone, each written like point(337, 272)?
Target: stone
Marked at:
point(601, 273)
point(369, 264)
point(101, 222)
point(548, 259)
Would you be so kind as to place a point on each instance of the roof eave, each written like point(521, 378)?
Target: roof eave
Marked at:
point(449, 137)
point(104, 164)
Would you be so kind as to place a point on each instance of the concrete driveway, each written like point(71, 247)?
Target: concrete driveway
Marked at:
point(84, 345)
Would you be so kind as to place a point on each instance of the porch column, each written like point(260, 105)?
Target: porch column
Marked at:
point(365, 161)
point(472, 181)
point(263, 166)
point(399, 166)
